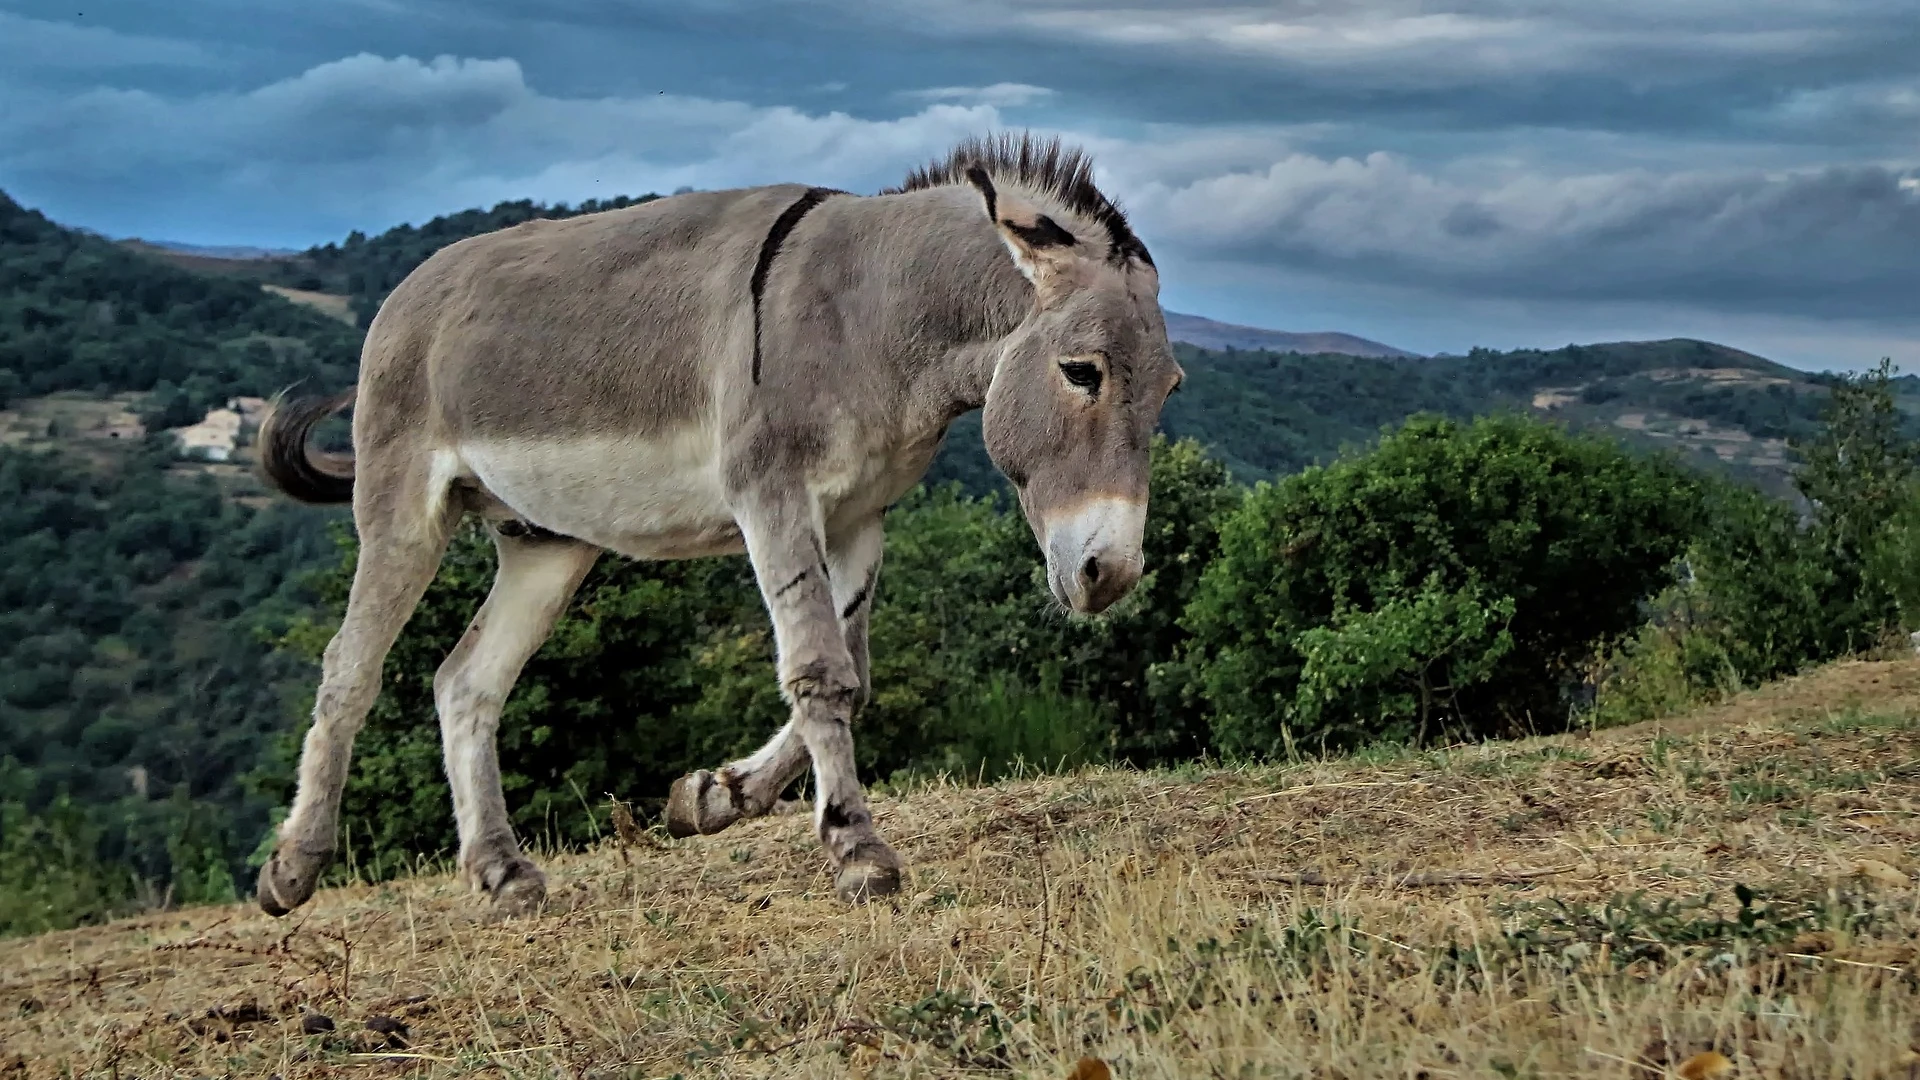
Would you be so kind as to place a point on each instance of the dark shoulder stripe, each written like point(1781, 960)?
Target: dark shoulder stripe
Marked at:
point(770, 247)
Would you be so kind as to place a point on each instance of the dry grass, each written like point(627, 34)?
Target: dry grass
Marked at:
point(1157, 921)
point(78, 418)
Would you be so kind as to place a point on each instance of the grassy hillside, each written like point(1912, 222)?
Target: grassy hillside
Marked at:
point(1735, 882)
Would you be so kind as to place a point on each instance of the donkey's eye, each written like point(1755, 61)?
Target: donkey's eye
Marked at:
point(1082, 374)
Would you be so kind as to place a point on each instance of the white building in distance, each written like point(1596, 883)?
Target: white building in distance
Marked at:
point(216, 437)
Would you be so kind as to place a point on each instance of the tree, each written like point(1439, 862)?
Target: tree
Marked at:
point(1782, 589)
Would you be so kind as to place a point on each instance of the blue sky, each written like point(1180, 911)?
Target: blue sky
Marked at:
point(1434, 175)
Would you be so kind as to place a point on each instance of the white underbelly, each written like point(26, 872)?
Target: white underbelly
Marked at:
point(659, 498)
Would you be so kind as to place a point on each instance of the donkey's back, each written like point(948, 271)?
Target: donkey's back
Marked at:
point(570, 374)
point(606, 324)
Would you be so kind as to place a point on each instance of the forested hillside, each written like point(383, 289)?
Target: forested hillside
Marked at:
point(80, 313)
point(146, 599)
point(138, 595)
point(1264, 413)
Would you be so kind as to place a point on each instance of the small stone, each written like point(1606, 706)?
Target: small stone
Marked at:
point(316, 1024)
point(1704, 1066)
point(394, 1030)
point(1090, 1068)
point(386, 1025)
point(1880, 872)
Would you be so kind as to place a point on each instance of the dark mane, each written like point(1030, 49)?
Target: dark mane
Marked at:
point(1045, 165)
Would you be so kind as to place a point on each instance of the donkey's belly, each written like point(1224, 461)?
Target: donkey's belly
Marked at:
point(644, 498)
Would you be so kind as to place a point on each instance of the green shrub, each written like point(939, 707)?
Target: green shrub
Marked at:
point(1670, 664)
point(1789, 587)
point(1002, 728)
point(1452, 579)
point(1893, 557)
point(51, 874)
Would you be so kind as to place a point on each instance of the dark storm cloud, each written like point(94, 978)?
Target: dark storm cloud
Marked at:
point(1837, 241)
point(1753, 157)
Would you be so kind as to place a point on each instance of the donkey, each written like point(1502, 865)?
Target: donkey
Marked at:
point(762, 370)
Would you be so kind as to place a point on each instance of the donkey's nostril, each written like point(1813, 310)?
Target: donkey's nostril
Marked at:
point(1091, 570)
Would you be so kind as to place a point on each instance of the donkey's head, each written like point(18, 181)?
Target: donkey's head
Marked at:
point(1078, 387)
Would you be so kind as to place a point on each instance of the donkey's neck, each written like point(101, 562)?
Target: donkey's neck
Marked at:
point(954, 294)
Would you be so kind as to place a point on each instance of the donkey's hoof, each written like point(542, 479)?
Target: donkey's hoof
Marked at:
point(518, 889)
point(289, 879)
point(871, 871)
point(699, 804)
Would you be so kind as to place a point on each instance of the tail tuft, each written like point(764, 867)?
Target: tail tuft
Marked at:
point(290, 465)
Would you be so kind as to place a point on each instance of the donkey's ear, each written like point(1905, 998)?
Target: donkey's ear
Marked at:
point(1041, 247)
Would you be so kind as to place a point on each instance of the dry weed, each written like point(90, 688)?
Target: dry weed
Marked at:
point(1727, 895)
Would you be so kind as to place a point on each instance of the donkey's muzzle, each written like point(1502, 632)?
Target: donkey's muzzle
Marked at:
point(1093, 553)
point(1102, 582)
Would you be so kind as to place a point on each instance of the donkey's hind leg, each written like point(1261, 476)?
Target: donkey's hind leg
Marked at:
point(403, 526)
point(537, 576)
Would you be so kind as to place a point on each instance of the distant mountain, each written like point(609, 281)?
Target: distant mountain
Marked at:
point(212, 252)
point(1210, 334)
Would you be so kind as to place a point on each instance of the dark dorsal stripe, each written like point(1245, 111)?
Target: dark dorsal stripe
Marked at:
point(770, 247)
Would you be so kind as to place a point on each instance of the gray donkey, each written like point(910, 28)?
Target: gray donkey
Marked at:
point(762, 370)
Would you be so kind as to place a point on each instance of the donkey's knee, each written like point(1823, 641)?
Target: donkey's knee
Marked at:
point(466, 704)
point(832, 681)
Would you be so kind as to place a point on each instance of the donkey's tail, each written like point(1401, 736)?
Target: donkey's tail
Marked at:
point(291, 465)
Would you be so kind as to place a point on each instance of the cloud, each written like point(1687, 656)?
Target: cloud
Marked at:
point(1871, 112)
point(1454, 41)
point(367, 141)
point(1827, 241)
point(1000, 95)
point(373, 139)
point(52, 49)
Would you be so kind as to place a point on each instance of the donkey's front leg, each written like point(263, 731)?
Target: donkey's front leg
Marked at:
point(707, 801)
point(821, 681)
point(704, 802)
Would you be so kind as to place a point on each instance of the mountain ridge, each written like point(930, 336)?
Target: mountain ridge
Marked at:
point(1207, 333)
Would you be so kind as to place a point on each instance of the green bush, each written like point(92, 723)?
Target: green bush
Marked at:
point(1002, 728)
point(1450, 580)
point(1674, 661)
point(51, 874)
point(1893, 557)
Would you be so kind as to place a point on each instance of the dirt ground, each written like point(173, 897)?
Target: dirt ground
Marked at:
point(1726, 894)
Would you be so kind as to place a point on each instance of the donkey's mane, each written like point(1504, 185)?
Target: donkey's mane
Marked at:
point(1044, 165)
